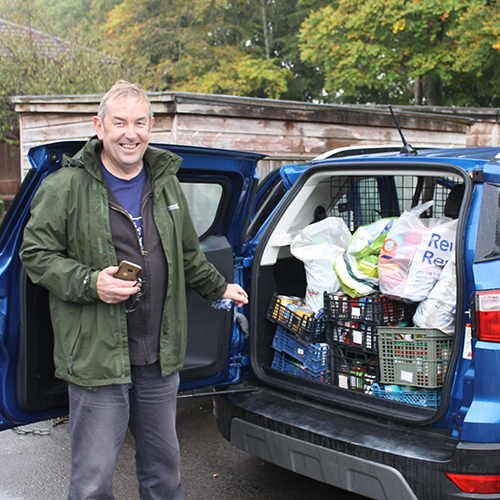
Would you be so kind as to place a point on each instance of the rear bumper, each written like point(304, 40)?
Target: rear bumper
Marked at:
point(370, 457)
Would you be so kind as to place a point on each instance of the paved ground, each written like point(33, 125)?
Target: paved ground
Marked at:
point(36, 467)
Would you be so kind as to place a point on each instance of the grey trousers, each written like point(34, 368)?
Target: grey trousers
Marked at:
point(98, 424)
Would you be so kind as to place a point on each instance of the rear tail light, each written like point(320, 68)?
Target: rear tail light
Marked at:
point(476, 484)
point(486, 313)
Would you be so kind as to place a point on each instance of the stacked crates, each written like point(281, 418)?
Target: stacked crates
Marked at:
point(361, 345)
point(352, 332)
point(299, 344)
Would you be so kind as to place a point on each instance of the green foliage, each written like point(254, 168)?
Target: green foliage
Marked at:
point(209, 46)
point(239, 75)
point(376, 50)
point(63, 14)
point(351, 51)
point(379, 47)
point(477, 54)
point(34, 64)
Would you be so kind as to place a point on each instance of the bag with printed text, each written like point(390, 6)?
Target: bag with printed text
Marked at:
point(414, 254)
point(438, 309)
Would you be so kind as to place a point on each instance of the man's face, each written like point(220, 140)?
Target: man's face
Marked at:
point(125, 135)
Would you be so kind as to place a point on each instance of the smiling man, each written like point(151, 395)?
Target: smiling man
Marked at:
point(124, 126)
point(120, 344)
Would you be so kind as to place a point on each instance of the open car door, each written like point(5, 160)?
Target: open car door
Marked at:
point(219, 186)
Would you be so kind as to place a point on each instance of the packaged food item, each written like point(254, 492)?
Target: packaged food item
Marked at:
point(301, 320)
point(357, 267)
point(305, 311)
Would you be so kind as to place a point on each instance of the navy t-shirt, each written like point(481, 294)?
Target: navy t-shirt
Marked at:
point(129, 194)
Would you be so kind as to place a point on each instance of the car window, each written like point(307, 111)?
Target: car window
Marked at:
point(205, 201)
point(363, 200)
point(267, 204)
point(488, 232)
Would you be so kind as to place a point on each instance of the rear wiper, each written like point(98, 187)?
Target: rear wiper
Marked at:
point(407, 148)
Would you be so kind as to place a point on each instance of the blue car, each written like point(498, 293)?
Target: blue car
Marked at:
point(343, 395)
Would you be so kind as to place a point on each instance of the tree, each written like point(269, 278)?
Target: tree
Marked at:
point(34, 63)
point(386, 50)
point(202, 46)
point(241, 47)
point(215, 46)
point(64, 15)
point(353, 51)
point(285, 17)
point(477, 55)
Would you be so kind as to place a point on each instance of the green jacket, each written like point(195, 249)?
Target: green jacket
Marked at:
point(68, 241)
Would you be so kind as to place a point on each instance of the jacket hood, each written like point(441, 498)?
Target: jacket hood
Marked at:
point(88, 158)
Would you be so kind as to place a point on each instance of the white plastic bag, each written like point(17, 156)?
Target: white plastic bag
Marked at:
point(438, 309)
point(318, 245)
point(414, 254)
point(357, 268)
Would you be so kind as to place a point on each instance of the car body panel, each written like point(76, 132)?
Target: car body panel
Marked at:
point(282, 422)
point(209, 361)
point(374, 457)
point(376, 447)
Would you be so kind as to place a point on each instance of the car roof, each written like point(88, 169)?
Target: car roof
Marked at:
point(483, 154)
point(486, 154)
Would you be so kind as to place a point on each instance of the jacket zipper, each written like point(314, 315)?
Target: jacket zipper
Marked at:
point(124, 212)
point(104, 207)
point(127, 215)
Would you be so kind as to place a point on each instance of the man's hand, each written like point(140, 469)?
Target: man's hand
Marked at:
point(112, 290)
point(236, 294)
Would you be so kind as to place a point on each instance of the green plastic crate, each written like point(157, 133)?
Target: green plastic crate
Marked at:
point(413, 356)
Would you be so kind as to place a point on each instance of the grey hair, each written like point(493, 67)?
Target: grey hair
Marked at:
point(123, 89)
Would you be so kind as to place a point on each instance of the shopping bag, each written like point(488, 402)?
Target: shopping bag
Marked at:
point(414, 254)
point(318, 245)
point(357, 267)
point(438, 309)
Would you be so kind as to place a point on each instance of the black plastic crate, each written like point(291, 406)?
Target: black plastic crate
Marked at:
point(354, 370)
point(305, 326)
point(353, 334)
point(372, 310)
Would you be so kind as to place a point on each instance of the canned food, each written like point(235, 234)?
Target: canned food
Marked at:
point(305, 311)
point(285, 300)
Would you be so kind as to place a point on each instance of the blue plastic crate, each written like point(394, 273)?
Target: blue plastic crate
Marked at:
point(283, 364)
point(420, 397)
point(315, 357)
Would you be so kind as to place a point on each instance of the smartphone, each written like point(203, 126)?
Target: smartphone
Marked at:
point(128, 271)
